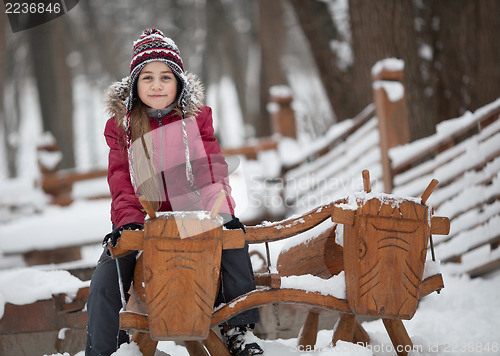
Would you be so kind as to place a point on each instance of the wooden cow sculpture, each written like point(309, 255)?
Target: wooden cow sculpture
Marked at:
point(177, 275)
point(386, 236)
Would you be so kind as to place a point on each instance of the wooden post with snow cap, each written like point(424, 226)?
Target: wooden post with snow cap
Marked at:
point(282, 115)
point(392, 113)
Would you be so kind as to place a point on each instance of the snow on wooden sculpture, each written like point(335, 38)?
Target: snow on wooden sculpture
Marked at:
point(386, 236)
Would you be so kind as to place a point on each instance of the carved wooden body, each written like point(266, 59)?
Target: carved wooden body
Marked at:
point(181, 259)
point(385, 251)
point(385, 248)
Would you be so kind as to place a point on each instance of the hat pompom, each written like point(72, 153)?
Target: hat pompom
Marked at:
point(152, 31)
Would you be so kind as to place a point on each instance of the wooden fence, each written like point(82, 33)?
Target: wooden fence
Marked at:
point(464, 156)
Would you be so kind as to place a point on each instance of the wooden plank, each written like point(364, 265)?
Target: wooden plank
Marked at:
point(458, 136)
point(195, 348)
point(472, 224)
point(146, 344)
point(55, 255)
point(232, 241)
point(77, 303)
point(360, 334)
point(343, 216)
point(251, 150)
point(131, 240)
point(271, 280)
point(134, 321)
point(276, 296)
point(440, 225)
point(320, 256)
point(430, 284)
point(215, 346)
point(484, 269)
point(333, 167)
point(455, 256)
point(286, 228)
point(37, 317)
point(309, 332)
point(43, 343)
point(357, 122)
point(399, 337)
point(345, 329)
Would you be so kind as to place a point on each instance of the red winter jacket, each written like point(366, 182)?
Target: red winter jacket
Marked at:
point(208, 164)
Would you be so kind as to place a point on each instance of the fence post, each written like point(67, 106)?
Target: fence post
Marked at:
point(49, 158)
point(280, 109)
point(390, 107)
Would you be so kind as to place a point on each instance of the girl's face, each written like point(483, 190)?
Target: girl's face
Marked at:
point(157, 85)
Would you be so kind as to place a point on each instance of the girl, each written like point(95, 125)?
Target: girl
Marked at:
point(162, 146)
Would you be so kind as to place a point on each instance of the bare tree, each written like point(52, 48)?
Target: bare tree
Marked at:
point(54, 83)
point(10, 123)
point(463, 37)
point(320, 30)
point(382, 29)
point(272, 39)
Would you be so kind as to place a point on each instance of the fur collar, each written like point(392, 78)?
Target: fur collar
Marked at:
point(117, 95)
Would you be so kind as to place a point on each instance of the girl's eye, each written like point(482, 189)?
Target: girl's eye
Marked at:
point(166, 77)
point(146, 77)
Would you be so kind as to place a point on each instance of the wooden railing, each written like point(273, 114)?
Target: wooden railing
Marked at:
point(466, 160)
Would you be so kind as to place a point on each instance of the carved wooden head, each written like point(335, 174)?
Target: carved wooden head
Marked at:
point(385, 248)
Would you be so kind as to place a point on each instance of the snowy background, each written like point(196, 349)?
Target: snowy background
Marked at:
point(462, 320)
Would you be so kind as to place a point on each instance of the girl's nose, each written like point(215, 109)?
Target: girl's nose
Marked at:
point(156, 85)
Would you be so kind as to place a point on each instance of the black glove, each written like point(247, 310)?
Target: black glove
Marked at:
point(232, 222)
point(114, 235)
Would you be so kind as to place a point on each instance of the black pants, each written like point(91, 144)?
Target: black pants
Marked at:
point(104, 302)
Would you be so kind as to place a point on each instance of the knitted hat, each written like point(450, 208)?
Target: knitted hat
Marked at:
point(154, 46)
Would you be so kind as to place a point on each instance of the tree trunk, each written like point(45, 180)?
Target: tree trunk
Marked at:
point(318, 26)
point(53, 79)
point(10, 150)
point(466, 35)
point(383, 29)
point(271, 36)
point(225, 54)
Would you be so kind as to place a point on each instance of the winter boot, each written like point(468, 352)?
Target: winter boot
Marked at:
point(240, 341)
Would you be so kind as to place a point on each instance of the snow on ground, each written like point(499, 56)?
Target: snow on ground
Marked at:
point(462, 320)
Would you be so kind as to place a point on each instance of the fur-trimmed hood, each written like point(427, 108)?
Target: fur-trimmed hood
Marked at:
point(118, 93)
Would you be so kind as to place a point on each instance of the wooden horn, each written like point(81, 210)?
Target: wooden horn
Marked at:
point(366, 181)
point(218, 204)
point(147, 207)
point(428, 191)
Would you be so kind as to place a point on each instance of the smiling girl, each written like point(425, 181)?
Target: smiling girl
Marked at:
point(162, 146)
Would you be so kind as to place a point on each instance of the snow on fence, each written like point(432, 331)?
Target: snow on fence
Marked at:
point(464, 155)
point(331, 168)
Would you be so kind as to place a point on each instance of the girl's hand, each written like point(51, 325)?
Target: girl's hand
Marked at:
point(113, 236)
point(233, 223)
